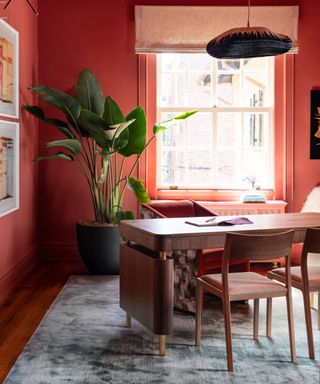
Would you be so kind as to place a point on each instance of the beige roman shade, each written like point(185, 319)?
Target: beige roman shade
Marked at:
point(190, 28)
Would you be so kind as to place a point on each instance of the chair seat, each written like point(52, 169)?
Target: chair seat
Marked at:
point(313, 273)
point(247, 284)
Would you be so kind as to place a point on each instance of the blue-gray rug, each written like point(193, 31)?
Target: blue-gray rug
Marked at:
point(83, 340)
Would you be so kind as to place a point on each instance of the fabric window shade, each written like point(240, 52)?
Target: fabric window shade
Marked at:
point(190, 28)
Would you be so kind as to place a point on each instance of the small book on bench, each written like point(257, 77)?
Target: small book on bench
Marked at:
point(214, 221)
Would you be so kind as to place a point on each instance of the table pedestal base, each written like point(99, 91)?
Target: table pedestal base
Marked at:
point(146, 290)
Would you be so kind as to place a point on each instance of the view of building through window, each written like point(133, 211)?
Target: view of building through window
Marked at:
point(231, 136)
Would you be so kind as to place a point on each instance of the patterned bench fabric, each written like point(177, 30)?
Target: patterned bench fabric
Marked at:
point(185, 272)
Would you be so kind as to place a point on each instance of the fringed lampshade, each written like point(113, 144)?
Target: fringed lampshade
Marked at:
point(246, 42)
point(241, 43)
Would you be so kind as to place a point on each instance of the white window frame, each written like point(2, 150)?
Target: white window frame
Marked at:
point(215, 110)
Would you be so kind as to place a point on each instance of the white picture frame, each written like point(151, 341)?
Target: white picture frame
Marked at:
point(9, 167)
point(9, 71)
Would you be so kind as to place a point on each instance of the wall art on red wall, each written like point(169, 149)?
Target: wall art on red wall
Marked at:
point(9, 167)
point(9, 72)
point(315, 124)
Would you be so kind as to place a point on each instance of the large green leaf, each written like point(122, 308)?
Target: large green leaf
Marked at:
point(38, 112)
point(124, 215)
point(72, 145)
point(170, 122)
point(112, 112)
point(95, 126)
point(137, 133)
point(66, 103)
point(158, 128)
point(115, 130)
point(185, 115)
point(136, 185)
point(89, 93)
point(60, 155)
point(121, 141)
point(99, 129)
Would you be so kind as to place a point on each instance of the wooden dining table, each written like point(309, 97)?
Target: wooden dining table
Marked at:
point(146, 273)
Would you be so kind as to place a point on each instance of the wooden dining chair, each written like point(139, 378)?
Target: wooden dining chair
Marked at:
point(306, 279)
point(248, 285)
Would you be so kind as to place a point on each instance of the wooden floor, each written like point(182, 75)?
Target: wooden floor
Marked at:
point(21, 314)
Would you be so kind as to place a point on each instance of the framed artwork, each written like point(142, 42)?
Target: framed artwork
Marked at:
point(315, 125)
point(9, 167)
point(9, 70)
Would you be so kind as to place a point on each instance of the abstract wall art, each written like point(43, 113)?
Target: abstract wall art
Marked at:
point(9, 71)
point(9, 167)
point(315, 125)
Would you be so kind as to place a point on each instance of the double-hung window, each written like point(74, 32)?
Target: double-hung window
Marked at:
point(230, 138)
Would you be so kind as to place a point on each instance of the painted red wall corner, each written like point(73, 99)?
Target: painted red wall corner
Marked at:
point(75, 35)
point(18, 230)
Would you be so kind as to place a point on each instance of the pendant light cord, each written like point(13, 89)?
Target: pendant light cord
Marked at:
point(248, 21)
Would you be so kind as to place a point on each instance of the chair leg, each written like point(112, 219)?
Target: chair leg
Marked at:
point(128, 320)
point(307, 314)
point(256, 319)
point(269, 316)
point(199, 298)
point(162, 345)
point(291, 328)
point(311, 295)
point(228, 334)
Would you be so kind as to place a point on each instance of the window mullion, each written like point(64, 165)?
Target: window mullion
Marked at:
point(215, 148)
point(215, 151)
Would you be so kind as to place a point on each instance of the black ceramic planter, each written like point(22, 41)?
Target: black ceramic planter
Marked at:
point(99, 248)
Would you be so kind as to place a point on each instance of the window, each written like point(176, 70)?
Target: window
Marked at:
point(232, 135)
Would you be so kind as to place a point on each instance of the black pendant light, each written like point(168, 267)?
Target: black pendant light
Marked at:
point(245, 42)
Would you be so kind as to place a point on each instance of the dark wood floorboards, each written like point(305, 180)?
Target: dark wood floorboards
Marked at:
point(21, 314)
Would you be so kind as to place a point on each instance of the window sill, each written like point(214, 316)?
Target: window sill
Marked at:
point(234, 208)
point(210, 195)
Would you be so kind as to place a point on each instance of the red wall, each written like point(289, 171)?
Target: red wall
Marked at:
point(18, 230)
point(307, 77)
point(100, 35)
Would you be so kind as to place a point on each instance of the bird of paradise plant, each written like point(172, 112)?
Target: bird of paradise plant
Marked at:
point(98, 139)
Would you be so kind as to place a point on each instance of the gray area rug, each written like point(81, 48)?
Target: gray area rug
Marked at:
point(82, 339)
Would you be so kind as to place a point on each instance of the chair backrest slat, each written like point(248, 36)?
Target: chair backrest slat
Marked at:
point(311, 244)
point(257, 246)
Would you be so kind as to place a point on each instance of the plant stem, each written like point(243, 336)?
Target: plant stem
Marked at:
point(132, 169)
point(91, 188)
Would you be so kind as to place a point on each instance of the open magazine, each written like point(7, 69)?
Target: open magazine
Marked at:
point(214, 221)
